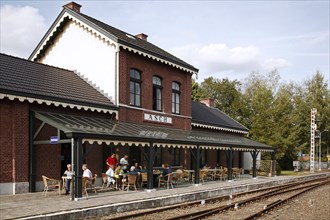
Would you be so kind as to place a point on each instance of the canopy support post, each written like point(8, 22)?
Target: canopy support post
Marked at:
point(273, 164)
point(198, 157)
point(150, 183)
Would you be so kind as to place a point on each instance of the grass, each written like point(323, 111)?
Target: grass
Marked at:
point(292, 173)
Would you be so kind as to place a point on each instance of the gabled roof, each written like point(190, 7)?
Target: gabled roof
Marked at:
point(24, 78)
point(131, 40)
point(209, 117)
point(119, 36)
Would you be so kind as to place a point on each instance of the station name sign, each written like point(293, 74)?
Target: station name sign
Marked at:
point(157, 118)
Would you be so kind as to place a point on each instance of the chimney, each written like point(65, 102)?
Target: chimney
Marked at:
point(142, 36)
point(207, 101)
point(73, 6)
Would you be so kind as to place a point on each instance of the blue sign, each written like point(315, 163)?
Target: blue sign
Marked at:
point(53, 139)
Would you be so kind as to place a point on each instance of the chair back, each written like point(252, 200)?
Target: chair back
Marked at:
point(169, 177)
point(44, 180)
point(94, 178)
point(104, 178)
point(131, 178)
point(144, 177)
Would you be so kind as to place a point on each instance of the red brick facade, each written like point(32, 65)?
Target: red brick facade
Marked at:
point(14, 141)
point(148, 69)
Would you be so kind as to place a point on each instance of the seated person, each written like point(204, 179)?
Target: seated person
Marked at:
point(206, 166)
point(167, 169)
point(87, 173)
point(68, 173)
point(118, 174)
point(137, 167)
point(111, 175)
point(133, 171)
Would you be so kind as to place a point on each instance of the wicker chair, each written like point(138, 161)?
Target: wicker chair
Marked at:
point(130, 182)
point(51, 184)
point(87, 183)
point(144, 179)
point(166, 180)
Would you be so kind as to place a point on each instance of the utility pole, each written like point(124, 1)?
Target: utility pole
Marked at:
point(312, 151)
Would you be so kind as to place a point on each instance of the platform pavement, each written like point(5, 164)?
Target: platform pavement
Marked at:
point(53, 206)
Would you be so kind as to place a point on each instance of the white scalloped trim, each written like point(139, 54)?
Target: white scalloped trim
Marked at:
point(108, 142)
point(175, 145)
point(157, 59)
point(63, 104)
point(108, 41)
point(90, 82)
point(218, 128)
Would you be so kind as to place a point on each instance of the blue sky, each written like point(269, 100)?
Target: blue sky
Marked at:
point(221, 38)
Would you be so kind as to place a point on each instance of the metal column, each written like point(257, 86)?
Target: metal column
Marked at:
point(197, 157)
point(230, 164)
point(150, 183)
point(32, 175)
point(77, 164)
point(273, 164)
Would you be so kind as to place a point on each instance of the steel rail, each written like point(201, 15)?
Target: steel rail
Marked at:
point(212, 211)
point(273, 205)
point(209, 200)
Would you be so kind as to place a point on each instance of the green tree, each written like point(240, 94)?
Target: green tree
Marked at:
point(226, 94)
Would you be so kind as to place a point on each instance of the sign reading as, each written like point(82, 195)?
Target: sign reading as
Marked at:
point(53, 139)
point(157, 118)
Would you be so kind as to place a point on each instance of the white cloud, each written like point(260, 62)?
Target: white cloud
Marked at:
point(21, 30)
point(272, 63)
point(219, 58)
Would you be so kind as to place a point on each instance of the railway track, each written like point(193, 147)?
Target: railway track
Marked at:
point(213, 206)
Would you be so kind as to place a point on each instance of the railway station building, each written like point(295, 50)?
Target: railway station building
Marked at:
point(89, 90)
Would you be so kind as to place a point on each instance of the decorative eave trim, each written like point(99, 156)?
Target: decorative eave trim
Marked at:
point(218, 128)
point(175, 145)
point(264, 150)
point(108, 142)
point(99, 33)
point(90, 82)
point(139, 52)
point(82, 23)
point(63, 104)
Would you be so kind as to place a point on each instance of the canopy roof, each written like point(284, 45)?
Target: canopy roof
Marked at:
point(107, 130)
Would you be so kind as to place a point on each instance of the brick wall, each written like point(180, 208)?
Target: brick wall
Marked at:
point(149, 68)
point(14, 141)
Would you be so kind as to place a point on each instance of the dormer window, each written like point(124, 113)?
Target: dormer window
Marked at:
point(175, 98)
point(157, 93)
point(135, 88)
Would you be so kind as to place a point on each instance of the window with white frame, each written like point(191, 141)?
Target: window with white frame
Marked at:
point(175, 98)
point(135, 88)
point(157, 93)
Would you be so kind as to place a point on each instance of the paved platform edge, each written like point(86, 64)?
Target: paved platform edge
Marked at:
point(166, 200)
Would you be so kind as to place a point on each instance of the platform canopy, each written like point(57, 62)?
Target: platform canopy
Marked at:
point(109, 131)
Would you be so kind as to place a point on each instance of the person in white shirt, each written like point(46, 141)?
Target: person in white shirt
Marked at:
point(87, 173)
point(110, 174)
point(68, 174)
point(124, 163)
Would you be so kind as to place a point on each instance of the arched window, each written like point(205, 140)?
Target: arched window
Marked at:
point(175, 98)
point(157, 93)
point(135, 88)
